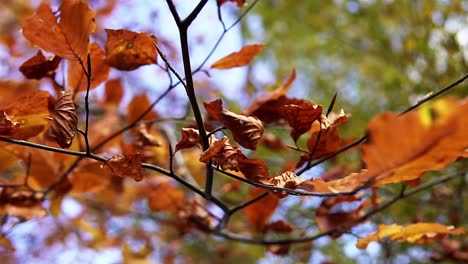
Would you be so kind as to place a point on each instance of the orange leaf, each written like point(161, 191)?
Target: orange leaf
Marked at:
point(69, 38)
point(139, 104)
point(77, 79)
point(126, 166)
point(419, 233)
point(240, 3)
point(246, 130)
point(300, 117)
point(271, 100)
point(327, 219)
point(21, 202)
point(330, 140)
point(223, 154)
point(38, 67)
point(417, 144)
point(259, 212)
point(280, 226)
point(145, 138)
point(165, 197)
point(26, 117)
point(240, 58)
point(190, 138)
point(127, 50)
point(90, 178)
point(114, 91)
point(64, 120)
point(254, 169)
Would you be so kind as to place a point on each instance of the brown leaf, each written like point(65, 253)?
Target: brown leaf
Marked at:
point(240, 3)
point(328, 220)
point(91, 177)
point(190, 138)
point(126, 166)
point(137, 106)
point(254, 169)
point(280, 250)
point(419, 233)
point(271, 100)
point(114, 91)
point(21, 202)
point(38, 67)
point(259, 212)
point(223, 154)
point(26, 117)
point(127, 50)
point(240, 58)
point(300, 117)
point(246, 130)
point(280, 226)
point(77, 79)
point(68, 39)
point(166, 197)
point(145, 138)
point(64, 120)
point(286, 180)
point(329, 140)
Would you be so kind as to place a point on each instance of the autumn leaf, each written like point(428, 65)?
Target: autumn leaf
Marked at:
point(280, 226)
point(127, 50)
point(190, 138)
point(300, 117)
point(325, 138)
point(223, 154)
point(90, 177)
point(69, 38)
point(240, 3)
point(260, 211)
point(77, 79)
point(328, 219)
point(26, 117)
point(38, 66)
point(145, 138)
point(240, 58)
point(419, 233)
point(165, 197)
point(21, 202)
point(114, 92)
point(246, 130)
point(254, 169)
point(64, 120)
point(138, 106)
point(126, 166)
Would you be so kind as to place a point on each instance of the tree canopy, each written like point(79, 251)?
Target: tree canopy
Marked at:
point(233, 131)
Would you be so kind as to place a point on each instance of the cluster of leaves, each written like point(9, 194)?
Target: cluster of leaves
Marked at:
point(55, 146)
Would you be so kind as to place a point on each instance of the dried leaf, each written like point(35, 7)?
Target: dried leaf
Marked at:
point(21, 202)
point(166, 197)
point(64, 120)
point(263, 106)
point(190, 138)
point(329, 140)
point(223, 154)
point(126, 166)
point(240, 3)
point(26, 117)
point(127, 50)
point(137, 106)
point(259, 212)
point(286, 180)
point(38, 67)
point(240, 58)
point(300, 117)
point(90, 178)
point(77, 79)
point(114, 92)
point(327, 219)
point(280, 250)
point(280, 226)
point(246, 130)
point(254, 169)
point(68, 39)
point(419, 233)
point(145, 138)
